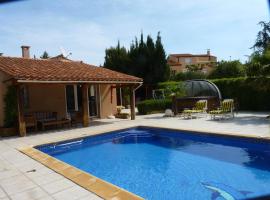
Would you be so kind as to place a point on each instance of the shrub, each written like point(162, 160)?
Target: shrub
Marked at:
point(10, 110)
point(152, 106)
point(249, 93)
point(163, 85)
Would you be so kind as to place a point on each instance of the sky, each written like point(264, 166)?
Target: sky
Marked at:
point(87, 27)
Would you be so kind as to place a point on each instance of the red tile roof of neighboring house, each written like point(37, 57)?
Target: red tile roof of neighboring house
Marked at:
point(50, 70)
point(190, 55)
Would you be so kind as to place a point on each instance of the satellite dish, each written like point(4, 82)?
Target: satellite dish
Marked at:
point(64, 53)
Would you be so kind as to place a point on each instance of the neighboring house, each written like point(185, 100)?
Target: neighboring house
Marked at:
point(63, 86)
point(181, 62)
point(59, 57)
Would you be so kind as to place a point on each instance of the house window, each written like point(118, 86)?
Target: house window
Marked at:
point(25, 96)
point(173, 72)
point(70, 98)
point(188, 60)
point(92, 100)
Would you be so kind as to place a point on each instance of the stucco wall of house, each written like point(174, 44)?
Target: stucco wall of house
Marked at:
point(107, 107)
point(52, 98)
point(3, 90)
point(46, 97)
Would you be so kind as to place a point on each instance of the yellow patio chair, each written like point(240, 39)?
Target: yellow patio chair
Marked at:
point(226, 110)
point(199, 109)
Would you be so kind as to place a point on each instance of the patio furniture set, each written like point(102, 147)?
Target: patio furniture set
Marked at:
point(226, 110)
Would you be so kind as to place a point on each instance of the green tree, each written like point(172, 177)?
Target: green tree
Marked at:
point(263, 38)
point(139, 59)
point(161, 69)
point(10, 108)
point(259, 61)
point(45, 55)
point(228, 69)
point(259, 64)
point(145, 59)
point(116, 58)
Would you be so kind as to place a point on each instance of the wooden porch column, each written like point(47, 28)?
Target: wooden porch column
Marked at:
point(21, 122)
point(132, 103)
point(85, 105)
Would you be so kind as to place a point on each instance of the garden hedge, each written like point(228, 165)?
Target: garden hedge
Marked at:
point(249, 93)
point(154, 106)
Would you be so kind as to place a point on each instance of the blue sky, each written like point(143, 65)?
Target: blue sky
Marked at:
point(87, 27)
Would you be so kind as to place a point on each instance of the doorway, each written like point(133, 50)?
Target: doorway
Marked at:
point(74, 99)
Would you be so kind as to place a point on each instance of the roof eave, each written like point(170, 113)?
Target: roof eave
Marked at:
point(63, 82)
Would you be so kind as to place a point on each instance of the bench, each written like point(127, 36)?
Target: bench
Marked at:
point(61, 122)
point(45, 119)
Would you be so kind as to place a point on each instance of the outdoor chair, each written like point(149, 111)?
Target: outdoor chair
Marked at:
point(199, 109)
point(76, 118)
point(122, 113)
point(226, 110)
point(30, 121)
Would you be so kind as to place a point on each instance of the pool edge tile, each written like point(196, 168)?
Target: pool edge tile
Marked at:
point(89, 182)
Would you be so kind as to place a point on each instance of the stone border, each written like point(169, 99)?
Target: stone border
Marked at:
point(89, 182)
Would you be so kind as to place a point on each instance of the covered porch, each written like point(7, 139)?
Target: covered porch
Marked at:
point(50, 105)
point(53, 92)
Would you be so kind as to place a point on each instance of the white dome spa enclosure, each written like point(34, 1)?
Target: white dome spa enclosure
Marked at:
point(197, 90)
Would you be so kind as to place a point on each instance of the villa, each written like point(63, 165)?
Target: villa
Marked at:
point(153, 157)
point(59, 89)
point(179, 62)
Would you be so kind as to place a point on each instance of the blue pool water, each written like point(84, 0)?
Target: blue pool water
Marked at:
point(164, 164)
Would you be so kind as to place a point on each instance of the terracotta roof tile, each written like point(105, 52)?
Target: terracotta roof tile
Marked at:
point(190, 55)
point(56, 70)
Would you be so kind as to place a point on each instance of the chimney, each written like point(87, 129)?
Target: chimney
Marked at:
point(25, 51)
point(208, 52)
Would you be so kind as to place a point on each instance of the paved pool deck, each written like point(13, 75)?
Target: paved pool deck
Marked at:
point(23, 178)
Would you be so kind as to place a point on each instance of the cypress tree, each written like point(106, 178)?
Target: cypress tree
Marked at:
point(45, 55)
point(146, 60)
point(162, 70)
point(116, 58)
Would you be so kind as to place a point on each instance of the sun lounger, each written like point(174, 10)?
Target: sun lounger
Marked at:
point(226, 110)
point(199, 109)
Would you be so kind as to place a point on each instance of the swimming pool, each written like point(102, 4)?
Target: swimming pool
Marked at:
point(163, 164)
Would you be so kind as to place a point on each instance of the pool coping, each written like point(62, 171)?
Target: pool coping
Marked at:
point(96, 185)
point(86, 180)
